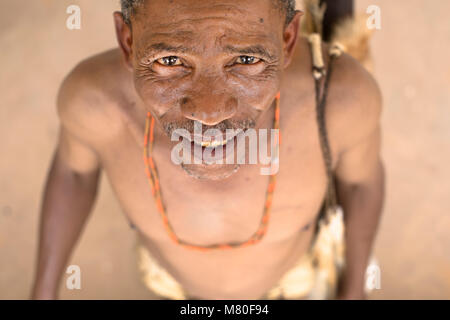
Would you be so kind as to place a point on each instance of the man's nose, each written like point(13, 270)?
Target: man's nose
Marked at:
point(209, 108)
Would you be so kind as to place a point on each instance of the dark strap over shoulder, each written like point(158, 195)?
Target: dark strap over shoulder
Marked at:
point(322, 78)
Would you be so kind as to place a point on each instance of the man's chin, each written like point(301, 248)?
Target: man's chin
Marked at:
point(210, 172)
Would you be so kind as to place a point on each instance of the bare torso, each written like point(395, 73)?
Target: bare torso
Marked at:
point(209, 212)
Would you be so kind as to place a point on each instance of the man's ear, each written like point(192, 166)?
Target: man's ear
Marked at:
point(125, 39)
point(290, 37)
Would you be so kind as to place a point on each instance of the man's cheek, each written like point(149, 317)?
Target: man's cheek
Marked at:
point(261, 99)
point(154, 98)
point(256, 91)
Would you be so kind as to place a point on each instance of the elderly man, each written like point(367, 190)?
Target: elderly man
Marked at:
point(221, 230)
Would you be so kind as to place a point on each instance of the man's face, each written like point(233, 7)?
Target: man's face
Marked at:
point(218, 62)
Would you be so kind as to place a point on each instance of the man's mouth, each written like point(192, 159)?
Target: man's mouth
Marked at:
point(210, 141)
point(210, 149)
point(215, 143)
point(213, 146)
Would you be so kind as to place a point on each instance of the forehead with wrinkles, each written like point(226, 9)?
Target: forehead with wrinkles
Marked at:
point(199, 26)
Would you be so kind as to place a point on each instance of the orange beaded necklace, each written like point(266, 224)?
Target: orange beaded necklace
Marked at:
point(153, 178)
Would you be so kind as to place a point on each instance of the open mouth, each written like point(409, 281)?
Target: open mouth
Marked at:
point(210, 141)
point(214, 149)
point(212, 146)
point(215, 143)
point(209, 150)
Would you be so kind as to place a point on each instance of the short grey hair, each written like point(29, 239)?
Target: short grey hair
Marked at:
point(129, 8)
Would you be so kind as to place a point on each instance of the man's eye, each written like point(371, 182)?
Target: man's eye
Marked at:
point(169, 61)
point(247, 60)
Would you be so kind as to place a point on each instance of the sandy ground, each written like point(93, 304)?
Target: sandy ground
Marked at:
point(411, 55)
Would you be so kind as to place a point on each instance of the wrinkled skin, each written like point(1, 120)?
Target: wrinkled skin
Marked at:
point(226, 64)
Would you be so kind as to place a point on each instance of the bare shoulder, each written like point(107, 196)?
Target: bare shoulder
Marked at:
point(88, 96)
point(354, 100)
point(354, 103)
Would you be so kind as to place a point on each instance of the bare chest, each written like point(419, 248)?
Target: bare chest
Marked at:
point(206, 213)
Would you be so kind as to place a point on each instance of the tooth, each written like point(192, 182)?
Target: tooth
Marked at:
point(214, 143)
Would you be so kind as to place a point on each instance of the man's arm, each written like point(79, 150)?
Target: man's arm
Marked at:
point(68, 198)
point(360, 185)
point(362, 200)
